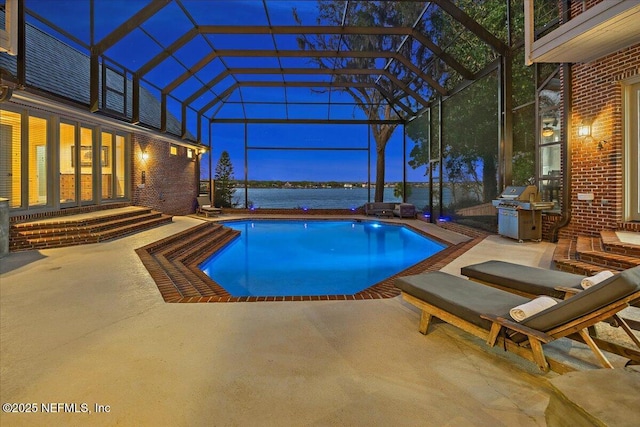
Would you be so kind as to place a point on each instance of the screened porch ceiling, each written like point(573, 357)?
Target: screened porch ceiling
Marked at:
point(280, 60)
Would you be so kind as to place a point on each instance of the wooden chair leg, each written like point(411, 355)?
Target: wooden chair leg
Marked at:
point(493, 334)
point(625, 326)
point(425, 319)
point(596, 350)
point(538, 354)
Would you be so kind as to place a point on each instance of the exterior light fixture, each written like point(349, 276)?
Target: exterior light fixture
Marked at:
point(145, 155)
point(584, 129)
point(547, 131)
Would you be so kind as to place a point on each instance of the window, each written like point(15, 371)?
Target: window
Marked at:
point(632, 152)
point(106, 165)
point(9, 28)
point(86, 164)
point(173, 150)
point(10, 153)
point(119, 165)
point(32, 144)
point(66, 165)
point(37, 161)
point(62, 166)
point(549, 140)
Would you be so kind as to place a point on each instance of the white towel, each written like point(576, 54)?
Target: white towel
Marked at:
point(522, 311)
point(595, 279)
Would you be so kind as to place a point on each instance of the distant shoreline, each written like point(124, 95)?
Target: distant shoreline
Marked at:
point(315, 184)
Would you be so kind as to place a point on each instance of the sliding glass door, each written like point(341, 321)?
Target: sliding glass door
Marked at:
point(24, 166)
point(632, 175)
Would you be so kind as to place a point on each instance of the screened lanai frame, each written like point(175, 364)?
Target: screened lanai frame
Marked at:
point(239, 52)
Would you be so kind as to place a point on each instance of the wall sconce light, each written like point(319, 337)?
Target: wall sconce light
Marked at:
point(145, 155)
point(584, 129)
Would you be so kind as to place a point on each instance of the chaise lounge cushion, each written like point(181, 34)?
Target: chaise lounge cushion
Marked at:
point(463, 298)
point(589, 300)
point(530, 280)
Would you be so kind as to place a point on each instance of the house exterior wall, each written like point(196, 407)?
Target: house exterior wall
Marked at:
point(597, 89)
point(171, 181)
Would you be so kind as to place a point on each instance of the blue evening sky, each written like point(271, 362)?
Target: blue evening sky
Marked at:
point(170, 23)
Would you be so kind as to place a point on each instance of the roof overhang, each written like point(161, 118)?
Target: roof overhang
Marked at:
point(605, 28)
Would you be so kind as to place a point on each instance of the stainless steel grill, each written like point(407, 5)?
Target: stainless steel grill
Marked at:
point(520, 213)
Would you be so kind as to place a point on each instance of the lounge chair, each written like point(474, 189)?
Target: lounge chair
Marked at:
point(533, 281)
point(530, 281)
point(523, 279)
point(205, 208)
point(484, 312)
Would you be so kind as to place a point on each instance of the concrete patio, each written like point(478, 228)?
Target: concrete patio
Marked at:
point(87, 325)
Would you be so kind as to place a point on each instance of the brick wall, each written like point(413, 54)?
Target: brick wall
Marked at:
point(171, 184)
point(597, 99)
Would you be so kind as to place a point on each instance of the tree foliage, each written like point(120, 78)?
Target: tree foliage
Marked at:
point(469, 118)
point(371, 101)
point(469, 129)
point(224, 186)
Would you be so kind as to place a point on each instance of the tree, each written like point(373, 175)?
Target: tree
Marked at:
point(398, 191)
point(224, 189)
point(469, 145)
point(369, 100)
point(469, 120)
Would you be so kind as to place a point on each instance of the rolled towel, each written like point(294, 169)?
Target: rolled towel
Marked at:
point(595, 279)
point(522, 311)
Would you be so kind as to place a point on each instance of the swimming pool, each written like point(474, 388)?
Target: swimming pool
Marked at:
point(314, 257)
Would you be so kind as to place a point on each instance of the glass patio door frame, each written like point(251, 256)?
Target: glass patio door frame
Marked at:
point(82, 157)
point(37, 161)
point(112, 158)
point(35, 166)
point(632, 150)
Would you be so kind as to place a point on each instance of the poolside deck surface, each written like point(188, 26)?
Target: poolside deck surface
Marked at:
point(86, 324)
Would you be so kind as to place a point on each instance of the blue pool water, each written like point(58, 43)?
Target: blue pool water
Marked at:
point(307, 257)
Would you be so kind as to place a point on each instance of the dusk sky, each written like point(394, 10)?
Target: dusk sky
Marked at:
point(289, 165)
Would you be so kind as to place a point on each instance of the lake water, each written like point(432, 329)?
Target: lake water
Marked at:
point(320, 198)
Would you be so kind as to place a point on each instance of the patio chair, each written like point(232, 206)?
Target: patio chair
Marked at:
point(484, 312)
point(533, 281)
point(205, 208)
point(529, 281)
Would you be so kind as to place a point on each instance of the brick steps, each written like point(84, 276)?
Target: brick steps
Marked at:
point(588, 255)
point(613, 244)
point(48, 234)
point(52, 227)
point(82, 227)
point(591, 251)
point(173, 262)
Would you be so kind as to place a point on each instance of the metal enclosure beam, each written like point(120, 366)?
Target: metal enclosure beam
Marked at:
point(473, 26)
point(112, 38)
